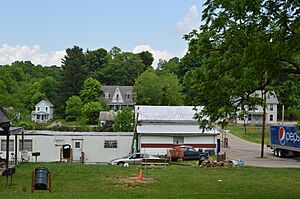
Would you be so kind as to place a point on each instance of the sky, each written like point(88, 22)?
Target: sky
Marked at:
point(41, 30)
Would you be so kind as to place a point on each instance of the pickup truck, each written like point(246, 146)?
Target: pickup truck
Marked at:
point(189, 153)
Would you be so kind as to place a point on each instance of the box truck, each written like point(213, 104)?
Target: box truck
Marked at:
point(285, 140)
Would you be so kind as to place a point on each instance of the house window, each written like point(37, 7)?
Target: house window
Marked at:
point(38, 117)
point(249, 117)
point(106, 95)
point(127, 95)
point(271, 118)
point(110, 144)
point(178, 140)
point(46, 108)
point(271, 107)
point(77, 145)
point(27, 145)
point(117, 96)
point(3, 145)
point(38, 108)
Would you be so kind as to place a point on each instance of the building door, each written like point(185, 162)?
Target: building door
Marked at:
point(77, 149)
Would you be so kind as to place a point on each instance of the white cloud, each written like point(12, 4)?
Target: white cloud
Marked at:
point(189, 22)
point(9, 54)
point(157, 54)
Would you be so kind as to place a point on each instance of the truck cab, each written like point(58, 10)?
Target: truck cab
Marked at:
point(190, 153)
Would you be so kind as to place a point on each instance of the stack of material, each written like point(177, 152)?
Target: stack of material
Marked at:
point(208, 163)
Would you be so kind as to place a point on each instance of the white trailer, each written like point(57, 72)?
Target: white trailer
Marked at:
point(94, 147)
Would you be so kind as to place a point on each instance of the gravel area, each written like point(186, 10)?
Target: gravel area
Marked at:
point(250, 153)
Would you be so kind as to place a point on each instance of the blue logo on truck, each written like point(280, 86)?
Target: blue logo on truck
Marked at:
point(281, 135)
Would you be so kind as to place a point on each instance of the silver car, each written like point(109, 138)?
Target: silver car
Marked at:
point(130, 159)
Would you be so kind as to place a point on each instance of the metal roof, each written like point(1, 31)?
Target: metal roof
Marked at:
point(4, 119)
point(106, 116)
point(59, 133)
point(13, 130)
point(167, 113)
point(156, 129)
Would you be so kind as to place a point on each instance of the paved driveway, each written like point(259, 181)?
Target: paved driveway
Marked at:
point(250, 153)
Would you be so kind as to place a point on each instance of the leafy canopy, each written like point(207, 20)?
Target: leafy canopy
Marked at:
point(243, 47)
point(124, 121)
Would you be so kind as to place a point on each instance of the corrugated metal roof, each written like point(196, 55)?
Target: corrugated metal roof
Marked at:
point(173, 129)
point(106, 116)
point(166, 113)
point(59, 133)
point(13, 130)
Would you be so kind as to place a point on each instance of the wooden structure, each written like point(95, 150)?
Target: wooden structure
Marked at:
point(49, 187)
point(6, 130)
point(68, 159)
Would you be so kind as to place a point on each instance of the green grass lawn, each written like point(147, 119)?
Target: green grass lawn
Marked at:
point(254, 136)
point(95, 181)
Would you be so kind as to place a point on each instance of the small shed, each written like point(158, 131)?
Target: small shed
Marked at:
point(106, 119)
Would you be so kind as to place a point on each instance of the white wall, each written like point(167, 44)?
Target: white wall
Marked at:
point(92, 146)
point(145, 139)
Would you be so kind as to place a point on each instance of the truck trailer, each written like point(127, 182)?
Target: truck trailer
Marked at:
point(285, 140)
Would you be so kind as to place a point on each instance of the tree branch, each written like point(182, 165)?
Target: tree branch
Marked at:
point(290, 71)
point(291, 63)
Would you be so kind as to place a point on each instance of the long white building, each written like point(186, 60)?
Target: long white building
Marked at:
point(94, 147)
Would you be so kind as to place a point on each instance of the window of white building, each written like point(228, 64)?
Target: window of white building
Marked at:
point(271, 117)
point(178, 140)
point(3, 145)
point(110, 144)
point(27, 145)
point(271, 107)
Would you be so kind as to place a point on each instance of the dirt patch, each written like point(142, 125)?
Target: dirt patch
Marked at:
point(135, 179)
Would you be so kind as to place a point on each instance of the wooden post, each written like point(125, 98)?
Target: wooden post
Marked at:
point(22, 145)
point(50, 182)
point(16, 149)
point(264, 125)
point(60, 154)
point(32, 181)
point(7, 149)
point(282, 115)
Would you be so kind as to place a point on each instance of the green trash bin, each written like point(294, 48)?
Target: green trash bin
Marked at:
point(41, 178)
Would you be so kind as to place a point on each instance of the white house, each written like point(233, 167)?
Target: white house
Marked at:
point(163, 127)
point(92, 147)
point(43, 111)
point(256, 116)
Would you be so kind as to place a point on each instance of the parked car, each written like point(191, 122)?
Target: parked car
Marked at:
point(130, 159)
point(189, 153)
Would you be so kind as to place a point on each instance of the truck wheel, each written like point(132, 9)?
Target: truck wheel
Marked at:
point(281, 153)
point(203, 157)
point(276, 152)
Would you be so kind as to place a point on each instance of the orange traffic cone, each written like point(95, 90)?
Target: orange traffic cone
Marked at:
point(140, 178)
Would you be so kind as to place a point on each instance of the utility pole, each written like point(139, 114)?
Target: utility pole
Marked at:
point(264, 124)
point(282, 116)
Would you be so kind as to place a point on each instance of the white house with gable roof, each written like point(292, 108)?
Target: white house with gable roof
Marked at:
point(43, 112)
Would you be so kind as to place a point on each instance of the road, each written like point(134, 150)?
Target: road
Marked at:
point(250, 153)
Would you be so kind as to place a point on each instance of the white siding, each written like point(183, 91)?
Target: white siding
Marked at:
point(93, 147)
